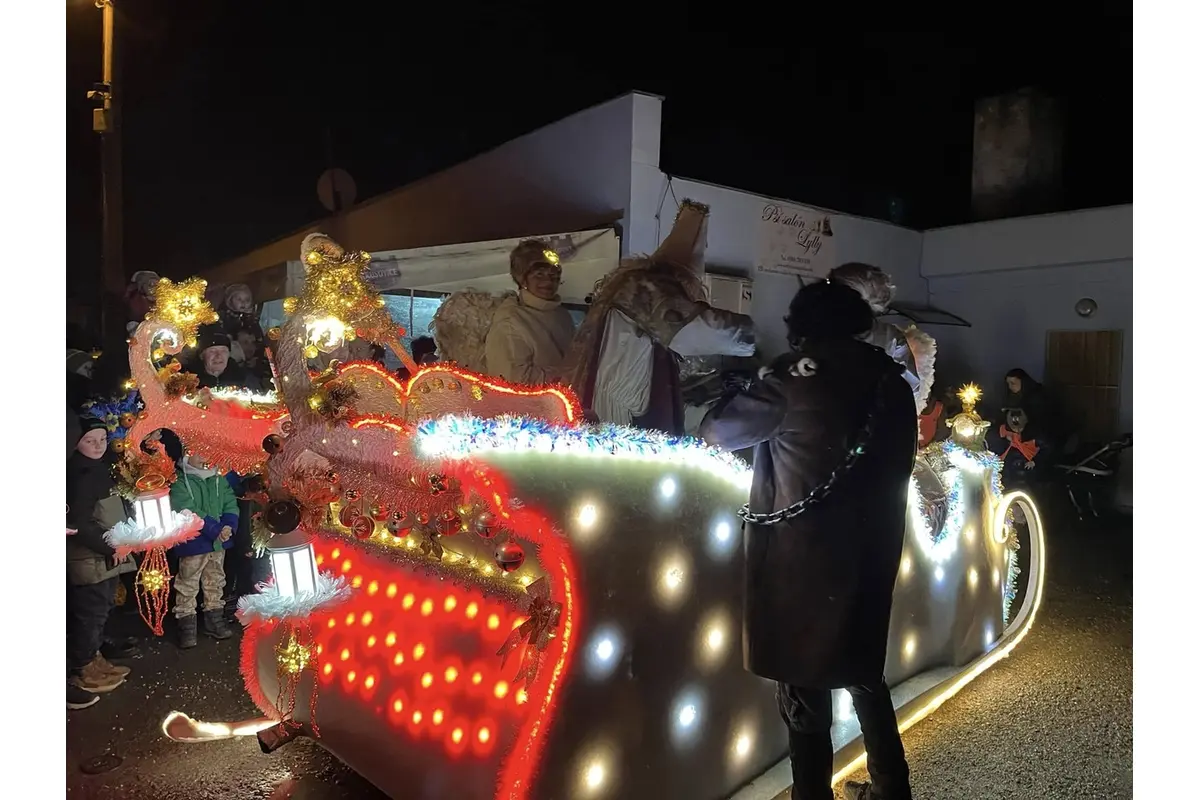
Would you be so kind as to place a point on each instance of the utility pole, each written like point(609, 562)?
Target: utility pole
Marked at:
point(106, 121)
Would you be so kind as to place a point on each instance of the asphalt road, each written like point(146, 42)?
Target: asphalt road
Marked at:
point(1052, 722)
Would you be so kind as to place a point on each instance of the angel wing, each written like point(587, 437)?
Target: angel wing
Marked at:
point(461, 324)
point(924, 350)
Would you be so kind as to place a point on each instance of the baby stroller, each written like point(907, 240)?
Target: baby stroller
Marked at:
point(1091, 483)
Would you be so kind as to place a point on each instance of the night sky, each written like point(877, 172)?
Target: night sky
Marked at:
point(233, 109)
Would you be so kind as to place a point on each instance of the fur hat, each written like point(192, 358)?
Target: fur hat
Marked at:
point(528, 255)
point(237, 287)
point(872, 283)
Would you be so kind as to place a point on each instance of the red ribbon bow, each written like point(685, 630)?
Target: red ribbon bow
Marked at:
point(1027, 449)
point(537, 630)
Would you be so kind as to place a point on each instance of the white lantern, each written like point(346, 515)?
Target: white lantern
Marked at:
point(293, 563)
point(153, 510)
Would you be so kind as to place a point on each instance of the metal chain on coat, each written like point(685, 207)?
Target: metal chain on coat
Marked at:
point(825, 489)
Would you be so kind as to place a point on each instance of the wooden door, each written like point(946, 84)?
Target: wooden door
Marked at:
point(1083, 370)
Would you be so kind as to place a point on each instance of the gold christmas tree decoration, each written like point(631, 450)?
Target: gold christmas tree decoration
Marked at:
point(182, 305)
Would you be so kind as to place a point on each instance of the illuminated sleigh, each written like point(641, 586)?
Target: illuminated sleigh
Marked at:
point(507, 607)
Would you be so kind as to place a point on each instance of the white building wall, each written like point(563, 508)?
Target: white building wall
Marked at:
point(1014, 280)
point(570, 175)
point(733, 232)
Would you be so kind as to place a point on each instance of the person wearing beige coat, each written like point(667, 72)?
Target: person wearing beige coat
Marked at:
point(531, 333)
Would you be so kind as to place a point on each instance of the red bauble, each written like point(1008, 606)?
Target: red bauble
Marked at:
point(363, 527)
point(396, 528)
point(422, 518)
point(379, 512)
point(447, 523)
point(347, 515)
point(510, 556)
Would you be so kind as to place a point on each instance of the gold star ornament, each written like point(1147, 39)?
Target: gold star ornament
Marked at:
point(337, 298)
point(182, 306)
point(294, 656)
point(968, 428)
point(969, 395)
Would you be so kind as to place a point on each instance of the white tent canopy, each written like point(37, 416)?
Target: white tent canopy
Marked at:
point(586, 257)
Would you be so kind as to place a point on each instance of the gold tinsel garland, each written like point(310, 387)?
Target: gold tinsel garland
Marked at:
point(296, 654)
point(152, 588)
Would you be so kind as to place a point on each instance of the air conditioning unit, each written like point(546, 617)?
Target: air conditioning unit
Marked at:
point(729, 293)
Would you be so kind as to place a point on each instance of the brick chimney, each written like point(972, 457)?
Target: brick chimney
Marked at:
point(1017, 165)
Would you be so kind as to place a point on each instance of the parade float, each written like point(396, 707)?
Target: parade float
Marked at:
point(476, 595)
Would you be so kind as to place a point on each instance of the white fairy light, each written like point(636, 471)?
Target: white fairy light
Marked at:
point(458, 437)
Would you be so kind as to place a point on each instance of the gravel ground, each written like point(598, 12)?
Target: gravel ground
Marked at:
point(1053, 721)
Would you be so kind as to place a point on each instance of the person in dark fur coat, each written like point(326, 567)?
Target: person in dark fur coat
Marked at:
point(819, 584)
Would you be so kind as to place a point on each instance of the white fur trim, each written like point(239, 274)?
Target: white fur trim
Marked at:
point(126, 537)
point(179, 727)
point(270, 604)
point(924, 352)
point(804, 368)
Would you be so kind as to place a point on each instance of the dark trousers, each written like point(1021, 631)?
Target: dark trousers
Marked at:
point(809, 717)
point(87, 611)
point(243, 569)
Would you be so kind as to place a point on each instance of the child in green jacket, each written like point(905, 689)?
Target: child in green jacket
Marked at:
point(207, 494)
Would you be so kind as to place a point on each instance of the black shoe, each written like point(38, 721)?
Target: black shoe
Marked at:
point(187, 631)
point(854, 790)
point(214, 625)
point(78, 698)
point(114, 651)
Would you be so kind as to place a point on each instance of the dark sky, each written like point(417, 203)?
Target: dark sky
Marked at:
point(232, 108)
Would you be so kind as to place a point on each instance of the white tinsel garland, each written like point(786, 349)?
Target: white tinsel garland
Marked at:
point(270, 604)
point(126, 537)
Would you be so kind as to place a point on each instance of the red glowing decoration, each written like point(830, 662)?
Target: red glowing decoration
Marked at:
point(228, 434)
point(423, 652)
point(411, 645)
